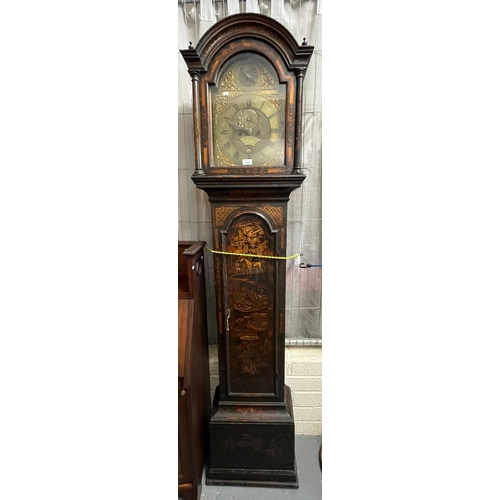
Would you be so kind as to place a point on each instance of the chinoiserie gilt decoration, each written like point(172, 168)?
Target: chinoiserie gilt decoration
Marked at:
point(247, 74)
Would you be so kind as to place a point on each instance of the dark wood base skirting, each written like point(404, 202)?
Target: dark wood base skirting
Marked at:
point(253, 445)
point(269, 479)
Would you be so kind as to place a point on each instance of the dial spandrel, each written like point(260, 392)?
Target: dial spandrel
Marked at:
point(248, 114)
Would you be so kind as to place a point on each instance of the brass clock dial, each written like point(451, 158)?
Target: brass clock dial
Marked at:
point(249, 131)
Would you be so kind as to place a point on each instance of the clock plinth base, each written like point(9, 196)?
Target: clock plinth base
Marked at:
point(253, 445)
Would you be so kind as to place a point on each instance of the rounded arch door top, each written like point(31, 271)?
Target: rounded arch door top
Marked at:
point(250, 234)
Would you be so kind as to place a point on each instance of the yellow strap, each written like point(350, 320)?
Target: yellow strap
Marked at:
point(253, 255)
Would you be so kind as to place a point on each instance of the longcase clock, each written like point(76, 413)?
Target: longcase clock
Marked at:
point(247, 74)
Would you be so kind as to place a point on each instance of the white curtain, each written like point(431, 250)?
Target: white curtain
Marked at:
point(303, 298)
point(277, 10)
point(233, 7)
point(207, 15)
point(252, 6)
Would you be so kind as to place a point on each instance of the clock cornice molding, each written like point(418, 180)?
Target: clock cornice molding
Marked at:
point(234, 29)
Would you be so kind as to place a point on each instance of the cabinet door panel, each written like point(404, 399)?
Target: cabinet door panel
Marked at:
point(249, 306)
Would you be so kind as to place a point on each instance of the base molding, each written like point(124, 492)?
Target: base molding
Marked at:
point(253, 446)
point(245, 477)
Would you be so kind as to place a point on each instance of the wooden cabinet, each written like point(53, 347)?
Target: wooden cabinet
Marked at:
point(193, 370)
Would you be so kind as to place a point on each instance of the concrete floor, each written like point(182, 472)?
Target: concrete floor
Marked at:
point(309, 472)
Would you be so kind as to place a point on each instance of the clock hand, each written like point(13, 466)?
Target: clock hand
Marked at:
point(250, 77)
point(239, 126)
